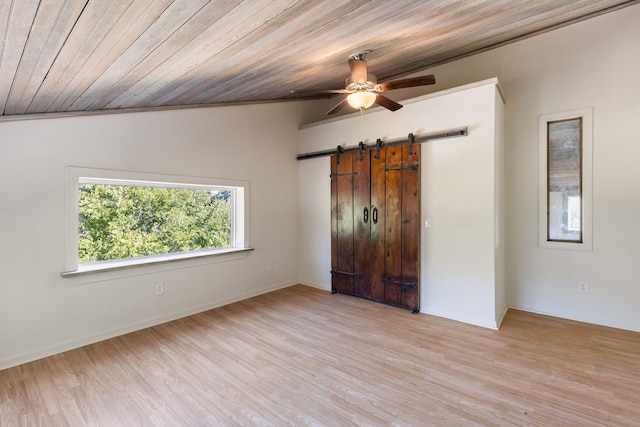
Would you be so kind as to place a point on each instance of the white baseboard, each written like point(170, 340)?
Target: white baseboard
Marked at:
point(500, 317)
point(577, 318)
point(476, 322)
point(112, 333)
point(321, 287)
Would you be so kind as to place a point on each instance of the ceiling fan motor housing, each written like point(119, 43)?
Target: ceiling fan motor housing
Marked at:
point(371, 85)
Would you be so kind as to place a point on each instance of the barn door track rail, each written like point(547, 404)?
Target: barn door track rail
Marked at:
point(411, 139)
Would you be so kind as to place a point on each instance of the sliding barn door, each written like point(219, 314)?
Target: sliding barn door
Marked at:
point(396, 226)
point(375, 225)
point(350, 232)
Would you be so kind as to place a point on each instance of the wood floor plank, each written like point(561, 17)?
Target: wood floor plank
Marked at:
point(301, 356)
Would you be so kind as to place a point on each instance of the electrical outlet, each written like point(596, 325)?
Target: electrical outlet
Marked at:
point(583, 287)
point(270, 266)
point(159, 289)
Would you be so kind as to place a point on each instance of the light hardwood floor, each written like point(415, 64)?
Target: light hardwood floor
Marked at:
point(301, 356)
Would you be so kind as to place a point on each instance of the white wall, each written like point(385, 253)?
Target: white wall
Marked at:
point(500, 228)
point(591, 64)
point(594, 63)
point(458, 262)
point(42, 313)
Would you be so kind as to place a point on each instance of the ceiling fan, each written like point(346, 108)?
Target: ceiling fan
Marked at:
point(363, 88)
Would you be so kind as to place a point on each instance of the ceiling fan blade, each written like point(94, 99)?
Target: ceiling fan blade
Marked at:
point(337, 107)
point(319, 91)
point(411, 82)
point(358, 70)
point(387, 103)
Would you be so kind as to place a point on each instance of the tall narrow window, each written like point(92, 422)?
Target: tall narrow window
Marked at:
point(565, 178)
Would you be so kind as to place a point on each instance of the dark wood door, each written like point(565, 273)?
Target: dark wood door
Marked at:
point(375, 234)
point(350, 232)
point(398, 225)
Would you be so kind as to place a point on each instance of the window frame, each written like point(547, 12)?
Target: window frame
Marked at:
point(77, 175)
point(586, 172)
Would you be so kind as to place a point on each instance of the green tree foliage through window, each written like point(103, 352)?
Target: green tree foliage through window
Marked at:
point(122, 221)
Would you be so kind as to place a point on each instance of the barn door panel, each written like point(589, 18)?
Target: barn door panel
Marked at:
point(375, 225)
point(361, 223)
point(378, 204)
point(410, 234)
point(393, 226)
point(399, 222)
point(350, 232)
point(342, 180)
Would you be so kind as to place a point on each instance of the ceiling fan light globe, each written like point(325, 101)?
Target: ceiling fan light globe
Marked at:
point(361, 100)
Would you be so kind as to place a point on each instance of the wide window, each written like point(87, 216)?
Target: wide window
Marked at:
point(121, 219)
point(565, 180)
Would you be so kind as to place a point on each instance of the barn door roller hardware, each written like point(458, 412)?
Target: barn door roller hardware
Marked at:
point(411, 139)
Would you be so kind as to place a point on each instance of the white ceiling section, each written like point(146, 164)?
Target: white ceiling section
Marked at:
point(89, 55)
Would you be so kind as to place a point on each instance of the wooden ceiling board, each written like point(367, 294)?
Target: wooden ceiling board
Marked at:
point(53, 22)
point(89, 55)
point(271, 64)
point(311, 64)
point(461, 33)
point(130, 67)
point(133, 23)
point(221, 36)
point(95, 23)
point(15, 24)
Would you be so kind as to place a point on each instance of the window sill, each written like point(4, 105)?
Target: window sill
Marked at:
point(105, 266)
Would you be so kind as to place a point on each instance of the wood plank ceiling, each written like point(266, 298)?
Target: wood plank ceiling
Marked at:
point(88, 55)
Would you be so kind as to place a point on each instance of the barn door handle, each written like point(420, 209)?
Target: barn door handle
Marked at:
point(374, 215)
point(366, 214)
